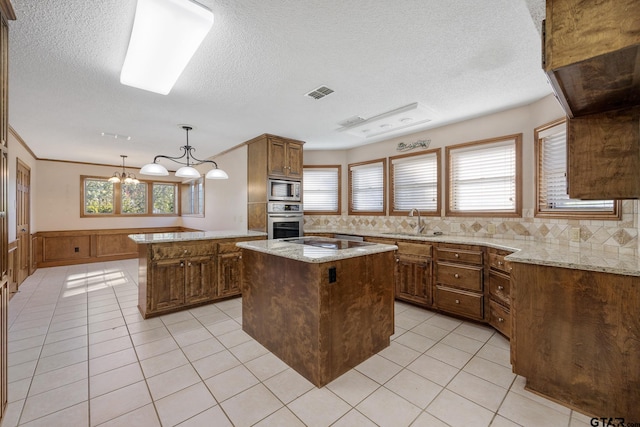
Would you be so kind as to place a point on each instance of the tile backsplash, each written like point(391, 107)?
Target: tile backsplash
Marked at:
point(613, 236)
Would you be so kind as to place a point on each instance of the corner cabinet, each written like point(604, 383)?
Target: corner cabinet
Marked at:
point(178, 275)
point(590, 55)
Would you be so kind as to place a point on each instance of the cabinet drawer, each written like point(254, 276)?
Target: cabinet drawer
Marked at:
point(500, 287)
point(459, 275)
point(500, 318)
point(181, 250)
point(459, 255)
point(228, 247)
point(415, 249)
point(459, 302)
point(497, 261)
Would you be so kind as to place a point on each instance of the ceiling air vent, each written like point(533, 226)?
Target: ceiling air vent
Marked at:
point(319, 93)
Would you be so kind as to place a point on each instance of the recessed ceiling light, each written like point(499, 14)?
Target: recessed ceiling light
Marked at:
point(115, 136)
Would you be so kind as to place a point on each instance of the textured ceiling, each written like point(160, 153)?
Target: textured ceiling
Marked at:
point(459, 58)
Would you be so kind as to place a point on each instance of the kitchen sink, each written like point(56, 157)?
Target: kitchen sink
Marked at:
point(393, 233)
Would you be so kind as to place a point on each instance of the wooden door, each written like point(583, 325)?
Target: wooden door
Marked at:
point(200, 284)
point(23, 220)
point(413, 280)
point(229, 273)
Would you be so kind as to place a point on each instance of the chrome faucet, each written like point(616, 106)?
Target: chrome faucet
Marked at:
point(419, 227)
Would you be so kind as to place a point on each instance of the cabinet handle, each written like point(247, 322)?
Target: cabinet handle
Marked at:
point(457, 276)
point(500, 288)
point(239, 256)
point(189, 264)
point(397, 259)
point(499, 262)
point(457, 255)
point(457, 301)
point(500, 319)
point(186, 250)
point(181, 264)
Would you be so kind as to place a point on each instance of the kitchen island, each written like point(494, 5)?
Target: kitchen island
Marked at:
point(321, 305)
point(181, 270)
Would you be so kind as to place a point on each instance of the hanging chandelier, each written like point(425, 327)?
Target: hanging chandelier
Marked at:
point(127, 178)
point(187, 171)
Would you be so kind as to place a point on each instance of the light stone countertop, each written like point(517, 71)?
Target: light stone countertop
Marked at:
point(312, 254)
point(193, 235)
point(526, 251)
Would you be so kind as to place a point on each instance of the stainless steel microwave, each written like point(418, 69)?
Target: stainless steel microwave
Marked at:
point(283, 190)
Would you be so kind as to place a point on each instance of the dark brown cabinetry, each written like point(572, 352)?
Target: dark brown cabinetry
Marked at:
point(591, 51)
point(603, 155)
point(229, 269)
point(576, 337)
point(284, 158)
point(413, 273)
point(499, 291)
point(178, 275)
point(269, 156)
point(590, 54)
point(459, 284)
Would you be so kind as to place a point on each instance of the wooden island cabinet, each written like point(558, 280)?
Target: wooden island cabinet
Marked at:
point(321, 308)
point(183, 270)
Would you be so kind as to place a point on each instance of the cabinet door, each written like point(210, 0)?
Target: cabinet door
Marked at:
point(229, 274)
point(200, 282)
point(294, 160)
point(277, 158)
point(166, 289)
point(413, 280)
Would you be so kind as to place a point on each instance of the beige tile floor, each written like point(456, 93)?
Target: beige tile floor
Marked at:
point(80, 354)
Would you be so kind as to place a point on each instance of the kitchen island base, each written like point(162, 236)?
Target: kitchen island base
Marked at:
point(322, 319)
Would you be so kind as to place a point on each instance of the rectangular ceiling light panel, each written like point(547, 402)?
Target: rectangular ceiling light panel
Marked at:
point(165, 35)
point(400, 118)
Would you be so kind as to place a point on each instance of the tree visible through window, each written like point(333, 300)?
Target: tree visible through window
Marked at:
point(98, 196)
point(101, 197)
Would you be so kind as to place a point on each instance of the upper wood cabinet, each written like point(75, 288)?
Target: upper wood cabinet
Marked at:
point(284, 158)
point(603, 155)
point(591, 51)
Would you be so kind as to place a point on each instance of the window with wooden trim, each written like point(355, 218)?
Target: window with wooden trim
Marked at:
point(367, 184)
point(103, 198)
point(484, 177)
point(415, 183)
point(321, 189)
point(193, 197)
point(551, 179)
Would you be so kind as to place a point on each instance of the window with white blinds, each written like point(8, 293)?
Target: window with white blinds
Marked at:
point(367, 187)
point(321, 189)
point(483, 177)
point(414, 183)
point(553, 199)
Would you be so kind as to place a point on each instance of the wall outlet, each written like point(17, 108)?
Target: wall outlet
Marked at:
point(491, 228)
point(574, 234)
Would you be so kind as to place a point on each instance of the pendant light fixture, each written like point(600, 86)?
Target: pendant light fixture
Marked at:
point(187, 171)
point(127, 178)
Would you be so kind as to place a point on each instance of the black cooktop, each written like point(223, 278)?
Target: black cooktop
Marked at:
point(327, 243)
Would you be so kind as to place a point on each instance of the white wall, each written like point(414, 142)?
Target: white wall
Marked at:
point(518, 120)
point(56, 199)
point(225, 200)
